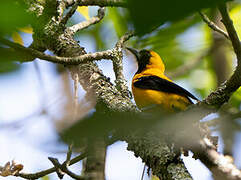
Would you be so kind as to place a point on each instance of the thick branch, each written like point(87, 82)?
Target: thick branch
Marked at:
point(163, 159)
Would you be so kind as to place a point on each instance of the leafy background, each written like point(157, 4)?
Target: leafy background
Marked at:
point(179, 36)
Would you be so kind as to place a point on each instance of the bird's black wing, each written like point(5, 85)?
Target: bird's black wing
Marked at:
point(159, 84)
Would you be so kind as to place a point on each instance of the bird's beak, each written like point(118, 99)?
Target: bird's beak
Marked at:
point(135, 52)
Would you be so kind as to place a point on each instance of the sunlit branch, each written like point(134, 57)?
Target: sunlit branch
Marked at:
point(213, 26)
point(221, 166)
point(77, 27)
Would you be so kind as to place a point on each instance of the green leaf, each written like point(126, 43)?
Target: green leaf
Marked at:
point(119, 21)
point(7, 58)
point(235, 99)
point(164, 41)
point(13, 16)
point(148, 15)
point(8, 66)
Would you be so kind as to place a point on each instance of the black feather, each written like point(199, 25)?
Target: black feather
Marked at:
point(159, 84)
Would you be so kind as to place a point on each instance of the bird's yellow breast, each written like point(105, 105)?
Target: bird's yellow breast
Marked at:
point(167, 102)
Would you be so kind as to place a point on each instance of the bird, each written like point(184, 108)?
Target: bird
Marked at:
point(152, 90)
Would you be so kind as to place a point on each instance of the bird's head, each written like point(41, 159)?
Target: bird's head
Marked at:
point(147, 59)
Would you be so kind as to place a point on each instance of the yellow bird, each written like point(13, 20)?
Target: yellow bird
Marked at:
point(152, 90)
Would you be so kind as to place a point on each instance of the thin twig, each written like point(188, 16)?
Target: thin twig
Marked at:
point(60, 9)
point(108, 54)
point(102, 3)
point(69, 154)
point(50, 170)
point(77, 27)
point(118, 65)
point(61, 169)
point(213, 26)
point(124, 38)
point(57, 166)
point(70, 13)
point(143, 172)
point(224, 92)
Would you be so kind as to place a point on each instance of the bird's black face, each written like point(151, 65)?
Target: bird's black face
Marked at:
point(142, 57)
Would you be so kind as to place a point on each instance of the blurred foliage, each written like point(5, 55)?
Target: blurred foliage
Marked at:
point(175, 23)
point(165, 42)
point(181, 35)
point(13, 16)
point(6, 66)
point(235, 14)
point(6, 61)
point(147, 16)
point(177, 41)
point(45, 178)
point(119, 20)
point(106, 123)
point(17, 38)
point(235, 100)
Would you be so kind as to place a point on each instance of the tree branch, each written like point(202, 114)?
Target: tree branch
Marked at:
point(50, 170)
point(221, 166)
point(223, 93)
point(118, 65)
point(102, 3)
point(228, 23)
point(92, 79)
point(213, 26)
point(77, 27)
point(62, 168)
point(70, 13)
point(108, 54)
